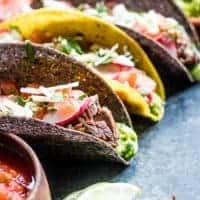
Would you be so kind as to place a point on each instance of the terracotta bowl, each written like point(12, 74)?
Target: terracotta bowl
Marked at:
point(196, 22)
point(13, 143)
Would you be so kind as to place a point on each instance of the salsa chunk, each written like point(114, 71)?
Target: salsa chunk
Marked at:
point(16, 179)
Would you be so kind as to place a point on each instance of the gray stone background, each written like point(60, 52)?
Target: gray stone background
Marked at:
point(168, 161)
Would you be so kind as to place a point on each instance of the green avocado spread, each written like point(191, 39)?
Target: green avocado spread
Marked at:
point(190, 7)
point(196, 72)
point(128, 142)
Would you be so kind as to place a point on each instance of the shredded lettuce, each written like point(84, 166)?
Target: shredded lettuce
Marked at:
point(68, 45)
point(96, 55)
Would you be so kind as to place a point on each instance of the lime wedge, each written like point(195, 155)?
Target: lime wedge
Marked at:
point(75, 195)
point(112, 191)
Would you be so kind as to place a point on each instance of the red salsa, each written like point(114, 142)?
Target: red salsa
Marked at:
point(16, 178)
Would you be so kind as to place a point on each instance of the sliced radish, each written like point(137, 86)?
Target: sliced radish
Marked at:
point(169, 44)
point(63, 116)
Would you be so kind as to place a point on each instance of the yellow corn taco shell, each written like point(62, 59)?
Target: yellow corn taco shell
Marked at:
point(44, 24)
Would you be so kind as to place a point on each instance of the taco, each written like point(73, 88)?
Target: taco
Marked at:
point(160, 22)
point(102, 47)
point(61, 106)
point(192, 10)
point(161, 29)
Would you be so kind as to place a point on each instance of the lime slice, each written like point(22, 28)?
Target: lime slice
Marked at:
point(114, 191)
point(75, 195)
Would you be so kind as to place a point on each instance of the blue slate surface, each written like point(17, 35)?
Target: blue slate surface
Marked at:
point(168, 161)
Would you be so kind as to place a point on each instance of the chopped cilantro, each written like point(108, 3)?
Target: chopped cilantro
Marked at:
point(83, 96)
point(101, 8)
point(21, 101)
point(67, 45)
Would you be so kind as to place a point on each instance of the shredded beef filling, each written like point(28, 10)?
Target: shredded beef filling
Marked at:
point(185, 58)
point(97, 121)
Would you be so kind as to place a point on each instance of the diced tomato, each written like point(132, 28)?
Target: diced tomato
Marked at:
point(113, 70)
point(3, 193)
point(8, 193)
point(5, 177)
point(65, 109)
point(37, 37)
point(132, 79)
point(5, 30)
point(40, 113)
point(9, 8)
point(114, 67)
point(13, 180)
point(136, 79)
point(8, 88)
point(129, 76)
point(121, 67)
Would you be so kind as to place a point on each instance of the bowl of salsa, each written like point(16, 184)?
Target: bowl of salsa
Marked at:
point(21, 174)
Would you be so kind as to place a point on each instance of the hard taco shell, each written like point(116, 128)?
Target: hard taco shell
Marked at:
point(28, 63)
point(44, 24)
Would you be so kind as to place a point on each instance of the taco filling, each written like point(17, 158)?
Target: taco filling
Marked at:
point(164, 30)
point(118, 67)
point(70, 108)
point(10, 8)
